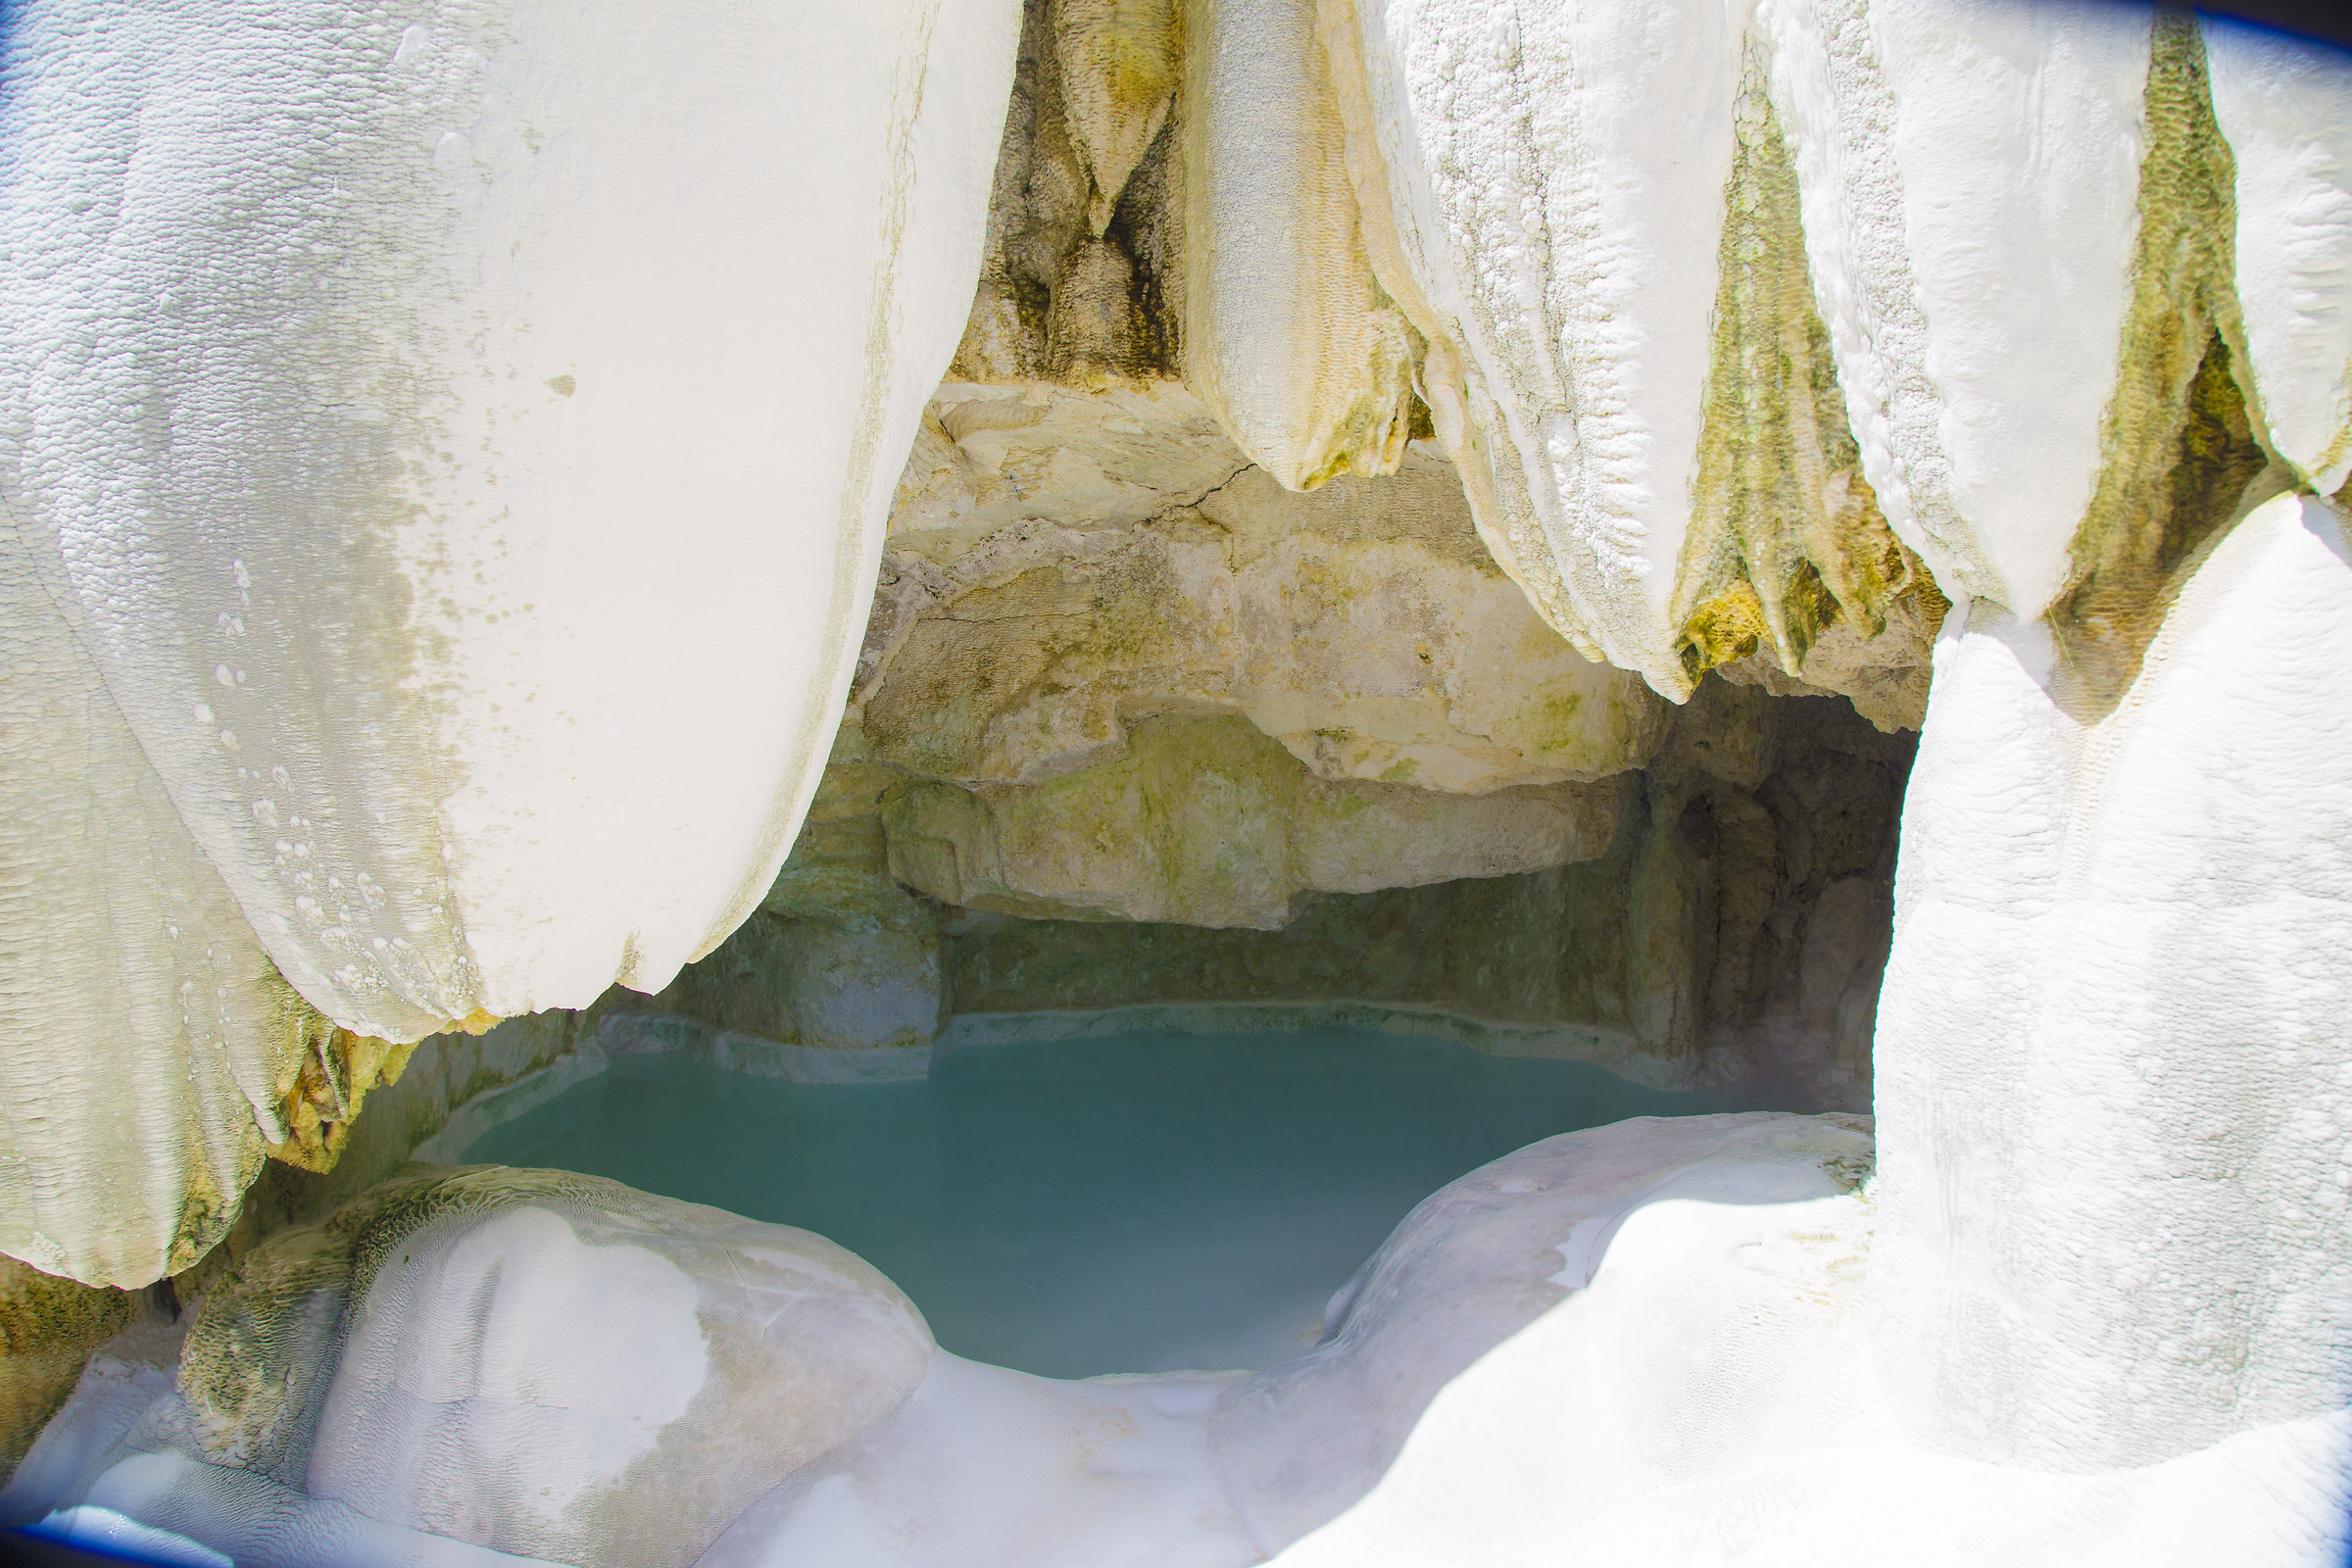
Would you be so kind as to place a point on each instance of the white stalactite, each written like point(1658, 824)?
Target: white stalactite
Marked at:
point(1555, 179)
point(1286, 337)
point(464, 434)
point(2286, 113)
point(1968, 173)
point(145, 1030)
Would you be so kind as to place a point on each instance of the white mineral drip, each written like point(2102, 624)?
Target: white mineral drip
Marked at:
point(1969, 175)
point(2287, 112)
point(508, 404)
point(1556, 179)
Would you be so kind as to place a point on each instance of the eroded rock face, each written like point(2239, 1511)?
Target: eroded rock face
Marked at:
point(1147, 569)
point(1125, 689)
point(1080, 270)
point(840, 955)
point(1207, 823)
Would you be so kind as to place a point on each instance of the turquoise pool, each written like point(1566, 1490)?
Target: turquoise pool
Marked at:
point(1142, 1203)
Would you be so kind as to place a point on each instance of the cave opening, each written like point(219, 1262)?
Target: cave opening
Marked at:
point(1096, 1146)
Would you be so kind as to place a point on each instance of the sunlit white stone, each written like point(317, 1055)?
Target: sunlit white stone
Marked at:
point(458, 441)
point(1557, 182)
point(2286, 110)
point(1969, 175)
point(2115, 1208)
point(467, 435)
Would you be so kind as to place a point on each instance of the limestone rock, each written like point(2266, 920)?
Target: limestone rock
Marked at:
point(1364, 626)
point(546, 1364)
point(1694, 950)
point(811, 983)
point(1118, 64)
point(1081, 269)
point(389, 705)
point(839, 956)
point(1205, 821)
point(989, 457)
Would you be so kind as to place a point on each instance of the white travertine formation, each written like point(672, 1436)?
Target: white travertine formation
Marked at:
point(445, 453)
point(1644, 1344)
point(2115, 1208)
point(1556, 181)
point(1638, 1344)
point(595, 1374)
point(1557, 191)
point(2287, 112)
point(467, 436)
point(145, 1032)
point(546, 1365)
point(460, 439)
point(1969, 175)
point(1286, 334)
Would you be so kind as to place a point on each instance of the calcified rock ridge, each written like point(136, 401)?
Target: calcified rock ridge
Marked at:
point(1434, 508)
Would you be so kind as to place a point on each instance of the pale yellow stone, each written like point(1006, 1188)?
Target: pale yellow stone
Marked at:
point(1205, 821)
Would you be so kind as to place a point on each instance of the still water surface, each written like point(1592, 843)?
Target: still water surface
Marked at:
point(1143, 1203)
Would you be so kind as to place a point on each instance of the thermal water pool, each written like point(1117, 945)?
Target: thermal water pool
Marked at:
point(1140, 1203)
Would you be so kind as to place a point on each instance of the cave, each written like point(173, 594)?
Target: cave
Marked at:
point(1102, 784)
point(1152, 1147)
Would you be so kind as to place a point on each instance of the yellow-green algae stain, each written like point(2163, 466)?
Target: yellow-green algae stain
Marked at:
point(266, 1329)
point(2182, 457)
point(1786, 534)
point(48, 1328)
point(333, 1071)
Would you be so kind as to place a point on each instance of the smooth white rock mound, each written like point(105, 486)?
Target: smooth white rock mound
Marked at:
point(461, 440)
point(1646, 1343)
point(562, 1381)
point(536, 1363)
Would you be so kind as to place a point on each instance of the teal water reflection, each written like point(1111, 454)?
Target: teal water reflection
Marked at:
point(1148, 1202)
